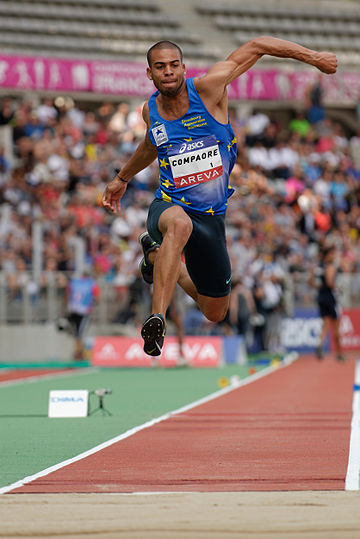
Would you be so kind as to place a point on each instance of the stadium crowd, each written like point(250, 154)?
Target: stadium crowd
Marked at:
point(297, 188)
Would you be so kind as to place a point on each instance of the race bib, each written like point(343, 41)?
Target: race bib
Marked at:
point(195, 162)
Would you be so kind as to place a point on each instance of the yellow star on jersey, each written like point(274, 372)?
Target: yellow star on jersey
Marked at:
point(163, 163)
point(165, 197)
point(166, 184)
point(210, 210)
point(184, 201)
point(231, 144)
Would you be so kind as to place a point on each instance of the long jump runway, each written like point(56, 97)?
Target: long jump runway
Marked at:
point(288, 431)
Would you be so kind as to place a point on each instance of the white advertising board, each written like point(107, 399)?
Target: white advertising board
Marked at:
point(68, 403)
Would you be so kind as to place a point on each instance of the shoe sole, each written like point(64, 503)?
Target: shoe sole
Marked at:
point(153, 331)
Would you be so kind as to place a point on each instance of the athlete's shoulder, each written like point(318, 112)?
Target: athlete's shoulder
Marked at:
point(145, 110)
point(146, 113)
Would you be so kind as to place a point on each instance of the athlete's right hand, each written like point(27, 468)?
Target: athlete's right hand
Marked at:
point(113, 193)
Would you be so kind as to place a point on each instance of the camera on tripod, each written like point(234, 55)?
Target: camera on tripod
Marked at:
point(102, 392)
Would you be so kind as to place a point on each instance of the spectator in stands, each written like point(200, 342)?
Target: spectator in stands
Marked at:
point(118, 121)
point(315, 99)
point(6, 117)
point(242, 308)
point(46, 112)
point(299, 124)
point(255, 127)
point(327, 300)
point(82, 293)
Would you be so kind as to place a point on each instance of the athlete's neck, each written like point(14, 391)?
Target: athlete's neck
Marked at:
point(173, 107)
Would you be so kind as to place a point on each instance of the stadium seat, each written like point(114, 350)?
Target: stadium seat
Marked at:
point(109, 24)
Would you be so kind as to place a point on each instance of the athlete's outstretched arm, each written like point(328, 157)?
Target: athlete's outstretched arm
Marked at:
point(143, 156)
point(280, 48)
point(212, 86)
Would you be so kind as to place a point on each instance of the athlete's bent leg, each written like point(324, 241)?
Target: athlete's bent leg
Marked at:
point(175, 227)
point(184, 279)
point(186, 283)
point(214, 309)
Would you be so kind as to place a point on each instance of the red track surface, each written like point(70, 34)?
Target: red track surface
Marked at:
point(19, 374)
point(287, 431)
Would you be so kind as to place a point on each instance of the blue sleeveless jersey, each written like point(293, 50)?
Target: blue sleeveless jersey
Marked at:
point(81, 295)
point(196, 154)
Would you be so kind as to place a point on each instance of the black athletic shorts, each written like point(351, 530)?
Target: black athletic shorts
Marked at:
point(327, 305)
point(78, 323)
point(206, 256)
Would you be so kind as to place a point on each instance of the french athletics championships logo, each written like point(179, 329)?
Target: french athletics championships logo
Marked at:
point(195, 162)
point(160, 134)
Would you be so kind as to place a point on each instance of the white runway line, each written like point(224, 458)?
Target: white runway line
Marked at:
point(146, 425)
point(353, 472)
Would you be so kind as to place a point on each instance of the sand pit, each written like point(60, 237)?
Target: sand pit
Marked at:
point(291, 515)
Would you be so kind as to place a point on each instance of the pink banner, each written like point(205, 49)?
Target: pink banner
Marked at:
point(129, 79)
point(122, 78)
point(31, 73)
point(128, 352)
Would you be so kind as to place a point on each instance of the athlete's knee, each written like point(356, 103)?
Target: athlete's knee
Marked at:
point(215, 316)
point(215, 312)
point(180, 229)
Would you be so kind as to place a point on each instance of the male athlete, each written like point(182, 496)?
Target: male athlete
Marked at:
point(189, 131)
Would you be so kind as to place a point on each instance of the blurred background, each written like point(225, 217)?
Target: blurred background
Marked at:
point(72, 86)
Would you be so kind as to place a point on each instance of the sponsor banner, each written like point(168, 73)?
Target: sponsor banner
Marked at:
point(349, 329)
point(119, 352)
point(235, 350)
point(129, 79)
point(128, 352)
point(301, 332)
point(68, 403)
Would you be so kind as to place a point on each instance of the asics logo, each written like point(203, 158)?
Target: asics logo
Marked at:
point(191, 146)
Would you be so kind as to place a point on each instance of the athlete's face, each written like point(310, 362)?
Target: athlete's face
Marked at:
point(167, 71)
